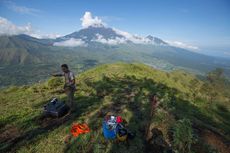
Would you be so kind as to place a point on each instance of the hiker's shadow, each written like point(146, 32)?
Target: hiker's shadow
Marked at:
point(132, 94)
point(137, 102)
point(127, 93)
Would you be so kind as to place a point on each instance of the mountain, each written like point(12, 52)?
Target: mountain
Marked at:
point(89, 34)
point(184, 118)
point(150, 47)
point(156, 40)
point(15, 50)
point(104, 34)
point(22, 49)
point(27, 56)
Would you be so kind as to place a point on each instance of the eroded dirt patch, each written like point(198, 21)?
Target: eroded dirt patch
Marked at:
point(9, 134)
point(215, 141)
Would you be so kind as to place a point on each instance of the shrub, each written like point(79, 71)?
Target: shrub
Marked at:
point(183, 136)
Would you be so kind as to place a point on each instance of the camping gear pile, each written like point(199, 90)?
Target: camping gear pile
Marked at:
point(113, 128)
point(55, 108)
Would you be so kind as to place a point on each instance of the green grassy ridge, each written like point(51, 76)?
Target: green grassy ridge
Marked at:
point(102, 89)
point(177, 79)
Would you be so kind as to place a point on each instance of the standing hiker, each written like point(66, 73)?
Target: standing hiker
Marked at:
point(69, 86)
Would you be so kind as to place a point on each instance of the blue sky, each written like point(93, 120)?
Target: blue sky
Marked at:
point(201, 23)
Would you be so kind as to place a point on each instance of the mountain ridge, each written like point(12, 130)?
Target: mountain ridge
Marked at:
point(125, 90)
point(101, 45)
point(97, 34)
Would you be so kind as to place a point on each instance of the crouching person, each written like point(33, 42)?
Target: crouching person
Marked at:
point(69, 86)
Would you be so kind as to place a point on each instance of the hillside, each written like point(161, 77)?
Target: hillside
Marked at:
point(102, 45)
point(122, 89)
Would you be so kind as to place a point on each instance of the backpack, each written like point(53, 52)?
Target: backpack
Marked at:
point(55, 108)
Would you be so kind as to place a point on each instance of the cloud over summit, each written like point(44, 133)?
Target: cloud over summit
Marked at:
point(88, 20)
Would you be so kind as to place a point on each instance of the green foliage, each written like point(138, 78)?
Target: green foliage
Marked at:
point(120, 88)
point(216, 86)
point(183, 136)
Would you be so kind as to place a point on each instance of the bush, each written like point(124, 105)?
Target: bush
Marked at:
point(183, 136)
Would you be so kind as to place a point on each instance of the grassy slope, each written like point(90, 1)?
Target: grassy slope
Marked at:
point(120, 88)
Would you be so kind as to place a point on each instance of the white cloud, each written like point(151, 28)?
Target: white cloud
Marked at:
point(89, 20)
point(126, 37)
point(50, 36)
point(133, 38)
point(110, 41)
point(8, 28)
point(71, 43)
point(182, 45)
point(22, 9)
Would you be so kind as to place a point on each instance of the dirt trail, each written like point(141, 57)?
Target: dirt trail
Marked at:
point(13, 136)
point(10, 134)
point(212, 136)
point(215, 141)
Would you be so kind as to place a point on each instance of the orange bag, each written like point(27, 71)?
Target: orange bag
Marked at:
point(77, 129)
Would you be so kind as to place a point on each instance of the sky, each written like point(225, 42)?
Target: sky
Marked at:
point(201, 25)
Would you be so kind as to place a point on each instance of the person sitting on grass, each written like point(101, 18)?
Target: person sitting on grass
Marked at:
point(69, 86)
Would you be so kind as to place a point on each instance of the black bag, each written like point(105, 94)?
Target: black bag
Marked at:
point(56, 108)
